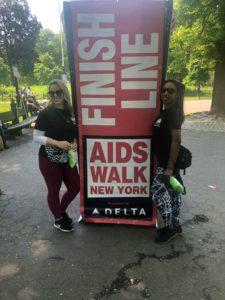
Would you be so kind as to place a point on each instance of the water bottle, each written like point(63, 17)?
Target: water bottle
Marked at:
point(73, 158)
point(176, 185)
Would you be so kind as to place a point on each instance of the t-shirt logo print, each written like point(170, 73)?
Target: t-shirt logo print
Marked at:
point(158, 122)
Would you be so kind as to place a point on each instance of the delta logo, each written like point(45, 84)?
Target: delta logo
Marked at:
point(119, 212)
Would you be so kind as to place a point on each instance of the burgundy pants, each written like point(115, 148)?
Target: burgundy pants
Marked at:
point(54, 175)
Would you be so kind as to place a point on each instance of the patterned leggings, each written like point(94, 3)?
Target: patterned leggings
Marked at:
point(168, 201)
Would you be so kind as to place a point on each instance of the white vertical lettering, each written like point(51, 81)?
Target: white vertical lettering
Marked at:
point(98, 101)
point(107, 45)
point(141, 63)
point(97, 119)
point(139, 46)
point(139, 85)
point(96, 83)
point(149, 103)
point(140, 69)
point(97, 66)
point(95, 20)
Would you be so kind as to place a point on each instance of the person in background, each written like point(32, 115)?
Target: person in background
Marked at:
point(56, 132)
point(33, 106)
point(27, 92)
point(166, 145)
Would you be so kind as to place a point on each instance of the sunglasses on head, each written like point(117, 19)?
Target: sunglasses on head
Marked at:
point(168, 90)
point(56, 93)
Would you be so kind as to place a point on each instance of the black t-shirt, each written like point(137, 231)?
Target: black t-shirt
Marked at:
point(168, 120)
point(57, 125)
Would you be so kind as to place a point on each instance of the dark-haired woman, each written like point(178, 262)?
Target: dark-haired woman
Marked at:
point(166, 144)
point(56, 132)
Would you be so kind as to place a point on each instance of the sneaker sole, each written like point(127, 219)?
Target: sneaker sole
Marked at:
point(179, 233)
point(172, 237)
point(167, 241)
point(63, 230)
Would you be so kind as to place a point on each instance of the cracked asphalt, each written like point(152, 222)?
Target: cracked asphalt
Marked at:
point(109, 261)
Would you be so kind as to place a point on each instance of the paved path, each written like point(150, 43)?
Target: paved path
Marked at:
point(204, 121)
point(111, 262)
point(193, 106)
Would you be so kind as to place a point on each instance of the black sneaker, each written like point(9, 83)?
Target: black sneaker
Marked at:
point(167, 235)
point(178, 228)
point(63, 225)
point(67, 217)
point(162, 229)
point(175, 226)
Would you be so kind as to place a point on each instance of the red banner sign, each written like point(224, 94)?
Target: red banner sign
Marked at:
point(118, 66)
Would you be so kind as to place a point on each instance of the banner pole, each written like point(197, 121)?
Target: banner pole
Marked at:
point(166, 39)
point(69, 40)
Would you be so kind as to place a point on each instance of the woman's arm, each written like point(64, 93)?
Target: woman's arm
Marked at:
point(174, 150)
point(40, 138)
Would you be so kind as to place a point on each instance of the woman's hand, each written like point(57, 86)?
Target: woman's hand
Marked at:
point(73, 146)
point(168, 173)
point(63, 145)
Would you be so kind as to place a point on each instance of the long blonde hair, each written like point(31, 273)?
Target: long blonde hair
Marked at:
point(66, 95)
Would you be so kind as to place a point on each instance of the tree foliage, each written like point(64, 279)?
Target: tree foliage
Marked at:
point(200, 40)
point(49, 46)
point(46, 69)
point(188, 59)
point(4, 72)
point(179, 54)
point(209, 15)
point(48, 42)
point(22, 42)
point(19, 30)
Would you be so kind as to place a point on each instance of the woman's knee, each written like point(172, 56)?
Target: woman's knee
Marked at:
point(73, 191)
point(53, 191)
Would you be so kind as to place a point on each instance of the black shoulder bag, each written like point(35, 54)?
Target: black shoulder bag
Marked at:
point(184, 159)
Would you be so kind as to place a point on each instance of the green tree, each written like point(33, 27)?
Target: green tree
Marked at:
point(198, 73)
point(46, 69)
point(179, 54)
point(4, 73)
point(44, 39)
point(209, 17)
point(50, 43)
point(187, 56)
point(18, 33)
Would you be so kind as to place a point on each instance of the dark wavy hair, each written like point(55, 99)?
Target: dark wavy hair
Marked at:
point(180, 87)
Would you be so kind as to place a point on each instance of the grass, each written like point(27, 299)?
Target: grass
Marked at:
point(8, 92)
point(191, 93)
point(40, 91)
point(4, 106)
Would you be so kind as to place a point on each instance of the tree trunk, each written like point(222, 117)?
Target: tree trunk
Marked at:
point(13, 78)
point(199, 91)
point(218, 97)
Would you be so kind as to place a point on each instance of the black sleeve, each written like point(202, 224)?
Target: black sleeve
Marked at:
point(175, 120)
point(42, 121)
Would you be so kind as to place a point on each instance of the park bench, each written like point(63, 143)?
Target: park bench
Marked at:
point(12, 126)
point(16, 128)
point(10, 119)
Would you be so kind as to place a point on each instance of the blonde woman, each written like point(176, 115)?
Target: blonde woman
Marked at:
point(56, 132)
